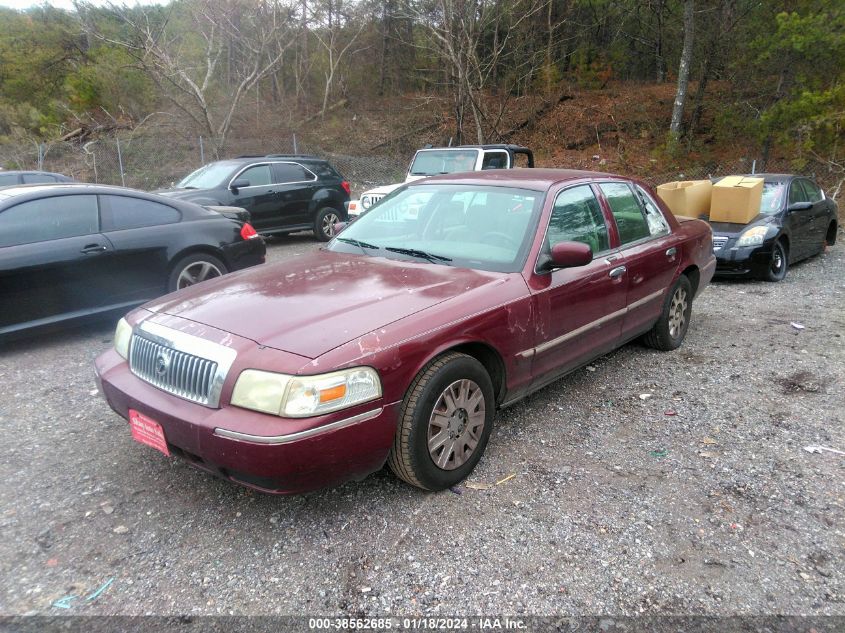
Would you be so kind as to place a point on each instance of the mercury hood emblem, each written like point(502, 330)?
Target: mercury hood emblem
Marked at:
point(162, 363)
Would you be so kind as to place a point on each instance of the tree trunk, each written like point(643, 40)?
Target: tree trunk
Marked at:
point(683, 70)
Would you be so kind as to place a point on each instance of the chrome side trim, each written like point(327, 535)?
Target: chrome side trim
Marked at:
point(528, 353)
point(195, 346)
point(301, 435)
point(644, 300)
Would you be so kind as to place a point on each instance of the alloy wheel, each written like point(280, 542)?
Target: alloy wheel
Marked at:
point(456, 424)
point(678, 312)
point(329, 220)
point(197, 272)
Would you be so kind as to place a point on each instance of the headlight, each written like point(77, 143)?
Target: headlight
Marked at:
point(304, 396)
point(122, 336)
point(752, 237)
point(366, 202)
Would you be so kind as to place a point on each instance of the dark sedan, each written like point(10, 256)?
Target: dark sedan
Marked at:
point(72, 251)
point(796, 221)
point(399, 341)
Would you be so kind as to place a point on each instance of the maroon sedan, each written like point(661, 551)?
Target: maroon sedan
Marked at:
point(397, 342)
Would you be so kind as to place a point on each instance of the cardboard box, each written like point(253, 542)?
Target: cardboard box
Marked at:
point(736, 199)
point(689, 198)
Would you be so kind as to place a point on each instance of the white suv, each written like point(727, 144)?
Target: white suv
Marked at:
point(448, 160)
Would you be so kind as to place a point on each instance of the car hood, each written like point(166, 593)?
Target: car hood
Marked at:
point(383, 190)
point(731, 230)
point(316, 302)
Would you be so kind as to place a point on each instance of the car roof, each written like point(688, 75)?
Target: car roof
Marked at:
point(505, 146)
point(67, 188)
point(296, 157)
point(523, 178)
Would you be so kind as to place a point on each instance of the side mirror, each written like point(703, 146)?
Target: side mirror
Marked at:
point(568, 255)
point(799, 206)
point(240, 183)
point(339, 226)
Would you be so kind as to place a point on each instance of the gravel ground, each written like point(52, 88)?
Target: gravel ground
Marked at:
point(696, 499)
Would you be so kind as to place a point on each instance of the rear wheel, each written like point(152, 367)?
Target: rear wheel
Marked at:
point(779, 263)
point(671, 328)
point(324, 225)
point(194, 269)
point(444, 423)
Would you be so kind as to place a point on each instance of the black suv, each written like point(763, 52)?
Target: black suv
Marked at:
point(282, 192)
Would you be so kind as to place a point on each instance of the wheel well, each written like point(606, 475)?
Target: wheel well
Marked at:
point(192, 250)
point(491, 360)
point(785, 240)
point(830, 238)
point(694, 275)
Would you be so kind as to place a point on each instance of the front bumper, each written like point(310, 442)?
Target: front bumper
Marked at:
point(235, 444)
point(747, 261)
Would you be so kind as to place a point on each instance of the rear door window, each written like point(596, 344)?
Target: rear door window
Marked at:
point(626, 210)
point(814, 194)
point(577, 217)
point(125, 212)
point(494, 160)
point(8, 179)
point(291, 172)
point(657, 224)
point(49, 219)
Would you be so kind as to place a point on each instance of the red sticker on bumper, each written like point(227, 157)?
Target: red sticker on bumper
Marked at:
point(147, 431)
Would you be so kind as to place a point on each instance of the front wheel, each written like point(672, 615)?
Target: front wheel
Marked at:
point(444, 423)
point(324, 225)
point(671, 328)
point(194, 269)
point(778, 265)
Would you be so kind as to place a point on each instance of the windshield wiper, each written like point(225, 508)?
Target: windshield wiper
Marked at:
point(358, 243)
point(413, 252)
point(186, 187)
point(420, 173)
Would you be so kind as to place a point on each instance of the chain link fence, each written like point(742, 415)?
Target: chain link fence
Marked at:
point(148, 162)
point(155, 160)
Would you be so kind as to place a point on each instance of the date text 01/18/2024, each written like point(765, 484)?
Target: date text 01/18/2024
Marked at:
point(416, 624)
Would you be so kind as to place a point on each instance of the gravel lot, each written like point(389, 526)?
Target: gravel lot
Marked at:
point(617, 506)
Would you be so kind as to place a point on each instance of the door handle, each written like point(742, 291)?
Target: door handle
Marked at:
point(617, 272)
point(93, 248)
point(671, 252)
point(271, 191)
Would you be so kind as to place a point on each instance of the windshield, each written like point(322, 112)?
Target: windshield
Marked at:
point(443, 161)
point(486, 228)
point(773, 197)
point(210, 176)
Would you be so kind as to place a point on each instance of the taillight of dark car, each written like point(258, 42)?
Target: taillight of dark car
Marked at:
point(346, 187)
point(247, 232)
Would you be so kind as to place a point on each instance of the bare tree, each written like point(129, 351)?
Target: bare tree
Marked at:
point(329, 37)
point(683, 70)
point(254, 37)
point(474, 38)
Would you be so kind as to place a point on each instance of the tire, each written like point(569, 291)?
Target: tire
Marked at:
point(830, 236)
point(443, 385)
point(779, 264)
point(194, 269)
point(671, 328)
point(324, 224)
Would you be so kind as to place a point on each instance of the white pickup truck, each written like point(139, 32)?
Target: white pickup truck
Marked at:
point(448, 160)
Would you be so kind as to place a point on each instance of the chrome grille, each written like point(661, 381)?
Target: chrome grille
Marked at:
point(719, 242)
point(182, 374)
